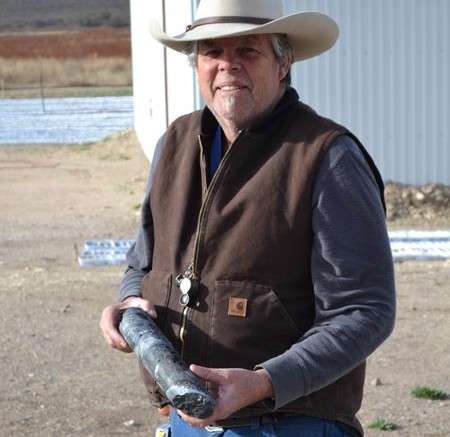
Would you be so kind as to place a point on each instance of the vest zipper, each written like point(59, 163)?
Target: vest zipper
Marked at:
point(192, 266)
point(205, 199)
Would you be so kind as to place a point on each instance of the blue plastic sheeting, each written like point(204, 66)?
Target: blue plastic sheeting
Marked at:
point(420, 245)
point(69, 120)
point(405, 245)
point(104, 252)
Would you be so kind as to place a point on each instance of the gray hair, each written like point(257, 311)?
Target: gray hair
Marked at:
point(281, 47)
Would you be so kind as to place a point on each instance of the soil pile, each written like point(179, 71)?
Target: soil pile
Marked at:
point(428, 204)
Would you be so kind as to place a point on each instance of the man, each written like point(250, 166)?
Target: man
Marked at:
point(273, 217)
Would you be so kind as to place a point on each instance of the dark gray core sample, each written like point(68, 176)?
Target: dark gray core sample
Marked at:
point(184, 390)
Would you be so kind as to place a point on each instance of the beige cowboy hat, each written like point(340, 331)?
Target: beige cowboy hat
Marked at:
point(310, 33)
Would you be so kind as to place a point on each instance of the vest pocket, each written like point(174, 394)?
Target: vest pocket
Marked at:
point(248, 325)
point(156, 289)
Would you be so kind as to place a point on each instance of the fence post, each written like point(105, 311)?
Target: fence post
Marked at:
point(41, 83)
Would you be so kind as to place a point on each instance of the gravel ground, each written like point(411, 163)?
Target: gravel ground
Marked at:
point(58, 378)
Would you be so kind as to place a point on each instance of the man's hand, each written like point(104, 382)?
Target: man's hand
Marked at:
point(112, 315)
point(236, 388)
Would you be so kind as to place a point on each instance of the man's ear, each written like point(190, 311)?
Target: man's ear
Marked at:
point(284, 69)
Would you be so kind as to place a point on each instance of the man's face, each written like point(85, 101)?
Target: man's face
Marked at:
point(239, 78)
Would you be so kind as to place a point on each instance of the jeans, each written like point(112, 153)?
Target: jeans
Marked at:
point(296, 426)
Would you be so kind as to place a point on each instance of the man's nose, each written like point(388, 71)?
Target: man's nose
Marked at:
point(228, 62)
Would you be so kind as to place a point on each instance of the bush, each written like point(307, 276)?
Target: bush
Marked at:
point(382, 425)
point(423, 392)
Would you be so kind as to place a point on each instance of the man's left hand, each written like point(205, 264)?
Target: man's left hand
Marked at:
point(236, 388)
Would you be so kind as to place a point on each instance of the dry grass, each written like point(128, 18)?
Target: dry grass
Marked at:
point(53, 72)
point(55, 60)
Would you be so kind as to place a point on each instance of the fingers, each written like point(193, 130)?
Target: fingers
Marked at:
point(109, 323)
point(143, 304)
point(112, 315)
point(165, 411)
point(192, 421)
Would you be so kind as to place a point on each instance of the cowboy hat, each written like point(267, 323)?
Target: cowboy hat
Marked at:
point(309, 33)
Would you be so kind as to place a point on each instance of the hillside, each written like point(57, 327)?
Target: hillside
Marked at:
point(31, 15)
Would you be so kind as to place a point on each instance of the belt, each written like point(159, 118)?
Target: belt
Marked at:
point(234, 422)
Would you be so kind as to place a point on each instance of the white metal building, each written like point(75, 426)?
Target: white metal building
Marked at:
point(386, 79)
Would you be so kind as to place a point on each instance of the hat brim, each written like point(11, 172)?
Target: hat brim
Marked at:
point(310, 33)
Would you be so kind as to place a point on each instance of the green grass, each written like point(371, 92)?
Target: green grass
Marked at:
point(383, 425)
point(423, 392)
point(83, 147)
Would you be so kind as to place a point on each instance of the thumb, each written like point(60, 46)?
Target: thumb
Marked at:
point(206, 373)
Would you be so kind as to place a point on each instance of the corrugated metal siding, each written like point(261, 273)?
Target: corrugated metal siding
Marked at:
point(387, 80)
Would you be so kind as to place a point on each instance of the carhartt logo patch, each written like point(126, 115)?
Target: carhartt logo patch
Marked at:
point(237, 306)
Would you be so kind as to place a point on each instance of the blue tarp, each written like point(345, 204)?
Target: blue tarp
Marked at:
point(405, 245)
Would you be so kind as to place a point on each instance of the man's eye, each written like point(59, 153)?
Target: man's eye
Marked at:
point(248, 50)
point(212, 53)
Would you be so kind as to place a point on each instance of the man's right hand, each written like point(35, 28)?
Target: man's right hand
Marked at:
point(112, 315)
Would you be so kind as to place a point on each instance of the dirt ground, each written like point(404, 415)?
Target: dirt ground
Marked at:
point(58, 377)
point(101, 42)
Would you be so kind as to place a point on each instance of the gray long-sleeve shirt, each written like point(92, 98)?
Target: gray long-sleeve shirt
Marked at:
point(352, 273)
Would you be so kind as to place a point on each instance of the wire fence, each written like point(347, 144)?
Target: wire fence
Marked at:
point(53, 91)
point(51, 74)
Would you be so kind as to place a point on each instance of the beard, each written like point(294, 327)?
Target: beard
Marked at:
point(235, 110)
